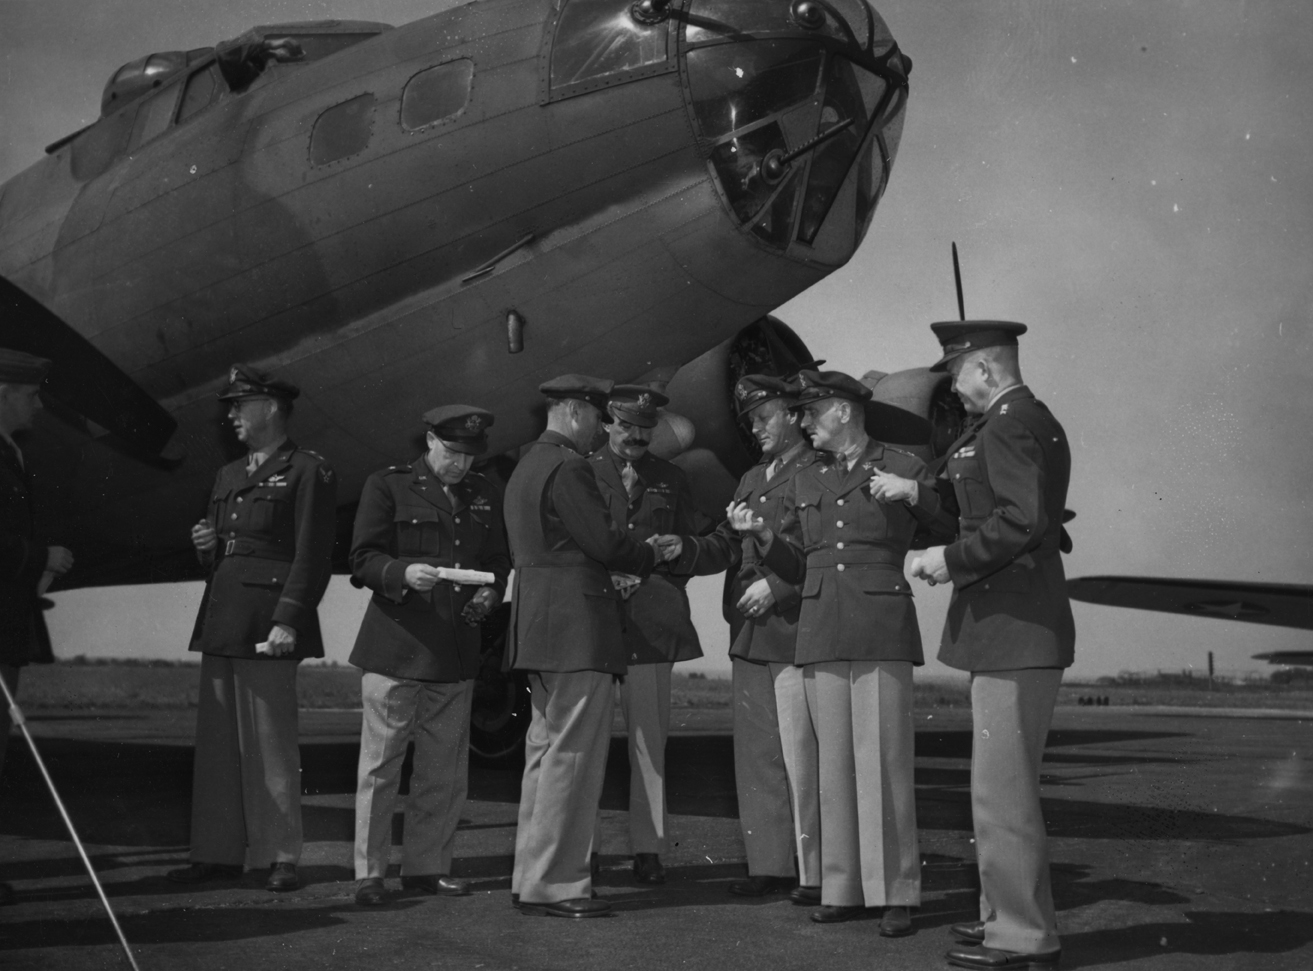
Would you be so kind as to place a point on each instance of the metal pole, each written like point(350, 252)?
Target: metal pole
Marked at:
point(957, 279)
point(16, 715)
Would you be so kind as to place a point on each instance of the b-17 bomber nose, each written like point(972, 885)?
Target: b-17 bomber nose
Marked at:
point(799, 106)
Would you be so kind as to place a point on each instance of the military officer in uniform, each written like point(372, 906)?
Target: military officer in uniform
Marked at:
point(418, 645)
point(268, 539)
point(25, 561)
point(775, 748)
point(648, 496)
point(858, 641)
point(1009, 624)
point(567, 631)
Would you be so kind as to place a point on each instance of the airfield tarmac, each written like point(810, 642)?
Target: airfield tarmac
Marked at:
point(1180, 838)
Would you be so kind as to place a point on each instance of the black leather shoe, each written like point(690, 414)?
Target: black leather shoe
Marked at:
point(282, 878)
point(760, 886)
point(993, 958)
point(895, 922)
point(440, 884)
point(830, 914)
point(648, 868)
point(7, 895)
point(201, 872)
point(805, 896)
point(579, 907)
point(973, 931)
point(370, 893)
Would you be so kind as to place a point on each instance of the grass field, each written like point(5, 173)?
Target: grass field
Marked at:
point(128, 684)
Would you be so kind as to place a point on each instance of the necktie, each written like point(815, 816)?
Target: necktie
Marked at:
point(252, 463)
point(451, 497)
point(630, 478)
point(772, 469)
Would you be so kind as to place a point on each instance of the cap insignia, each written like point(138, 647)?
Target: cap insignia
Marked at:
point(232, 375)
point(473, 423)
point(644, 402)
point(960, 346)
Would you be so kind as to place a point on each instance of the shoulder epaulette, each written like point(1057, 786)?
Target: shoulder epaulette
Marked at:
point(397, 468)
point(900, 451)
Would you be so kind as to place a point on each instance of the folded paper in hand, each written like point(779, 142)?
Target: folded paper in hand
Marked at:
point(479, 577)
point(626, 583)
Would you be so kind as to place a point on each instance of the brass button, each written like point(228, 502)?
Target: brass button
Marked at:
point(631, 525)
point(458, 542)
point(239, 498)
point(762, 499)
point(457, 519)
point(841, 502)
point(838, 546)
point(414, 520)
point(234, 515)
point(839, 568)
point(839, 524)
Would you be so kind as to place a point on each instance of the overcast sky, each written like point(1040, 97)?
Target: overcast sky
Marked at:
point(1130, 179)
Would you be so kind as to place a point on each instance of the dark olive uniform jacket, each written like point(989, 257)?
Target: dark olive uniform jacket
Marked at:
point(658, 622)
point(856, 602)
point(23, 635)
point(771, 637)
point(1009, 473)
point(405, 517)
point(565, 612)
point(274, 559)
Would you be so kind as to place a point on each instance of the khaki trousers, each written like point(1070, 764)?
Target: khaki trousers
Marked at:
point(1010, 714)
point(246, 784)
point(862, 711)
point(775, 770)
point(564, 767)
point(437, 717)
point(645, 704)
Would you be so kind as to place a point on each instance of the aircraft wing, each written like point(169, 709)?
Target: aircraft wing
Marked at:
point(1277, 604)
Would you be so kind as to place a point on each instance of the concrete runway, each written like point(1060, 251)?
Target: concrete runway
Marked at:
point(1181, 839)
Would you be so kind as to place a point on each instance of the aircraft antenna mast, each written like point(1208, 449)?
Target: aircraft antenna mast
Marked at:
point(957, 278)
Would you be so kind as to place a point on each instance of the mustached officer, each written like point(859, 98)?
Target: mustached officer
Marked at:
point(268, 540)
point(648, 496)
point(418, 645)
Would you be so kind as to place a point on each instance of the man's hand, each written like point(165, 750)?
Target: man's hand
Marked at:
point(203, 536)
point(742, 518)
point(480, 606)
point(757, 599)
point(886, 487)
point(59, 560)
point(669, 547)
point(931, 567)
point(421, 576)
point(282, 640)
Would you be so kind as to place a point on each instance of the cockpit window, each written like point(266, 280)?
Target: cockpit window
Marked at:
point(154, 115)
point(596, 43)
point(202, 88)
point(734, 85)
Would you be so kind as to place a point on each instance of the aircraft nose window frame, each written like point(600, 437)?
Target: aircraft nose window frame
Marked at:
point(740, 65)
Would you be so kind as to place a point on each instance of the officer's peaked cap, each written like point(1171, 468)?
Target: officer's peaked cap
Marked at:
point(959, 337)
point(582, 387)
point(637, 404)
point(819, 385)
point(462, 428)
point(245, 381)
point(755, 389)
point(19, 367)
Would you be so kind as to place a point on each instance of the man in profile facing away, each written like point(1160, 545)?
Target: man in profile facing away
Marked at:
point(26, 563)
point(566, 630)
point(1010, 625)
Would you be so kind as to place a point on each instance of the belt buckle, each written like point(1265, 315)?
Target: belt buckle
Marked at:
point(229, 547)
